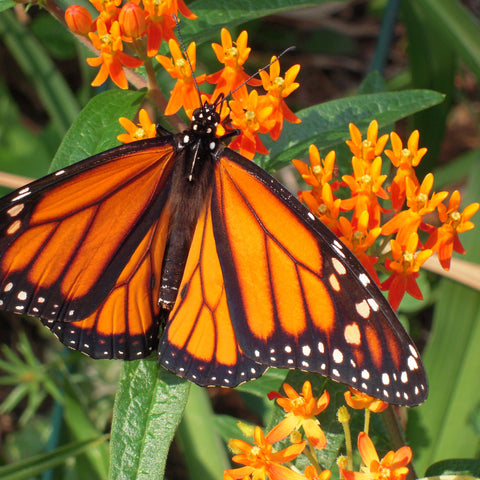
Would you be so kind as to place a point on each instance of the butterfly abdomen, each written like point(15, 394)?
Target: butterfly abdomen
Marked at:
point(192, 179)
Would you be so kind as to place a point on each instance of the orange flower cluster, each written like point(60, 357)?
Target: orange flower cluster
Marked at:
point(366, 198)
point(138, 27)
point(250, 112)
point(262, 461)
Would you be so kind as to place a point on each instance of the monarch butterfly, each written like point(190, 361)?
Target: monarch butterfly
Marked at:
point(179, 244)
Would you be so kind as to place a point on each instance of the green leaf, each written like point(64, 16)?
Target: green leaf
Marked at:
point(205, 455)
point(445, 426)
point(215, 14)
point(459, 27)
point(81, 428)
point(6, 4)
point(455, 466)
point(148, 408)
point(38, 464)
point(327, 124)
point(49, 84)
point(433, 65)
point(96, 127)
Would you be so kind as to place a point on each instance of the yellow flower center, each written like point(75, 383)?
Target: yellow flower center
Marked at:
point(255, 451)
point(357, 238)
point(385, 473)
point(455, 219)
point(183, 68)
point(317, 169)
point(278, 84)
point(366, 180)
point(408, 259)
point(139, 134)
point(298, 402)
point(421, 200)
point(406, 154)
point(322, 209)
point(251, 120)
point(106, 39)
point(231, 53)
point(366, 144)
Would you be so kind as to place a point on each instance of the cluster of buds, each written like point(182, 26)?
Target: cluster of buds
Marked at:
point(363, 196)
point(137, 27)
point(262, 460)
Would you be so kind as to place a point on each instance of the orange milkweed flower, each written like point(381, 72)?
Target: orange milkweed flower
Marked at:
point(445, 238)
point(357, 236)
point(233, 55)
point(302, 410)
point(320, 171)
point(108, 9)
point(261, 460)
point(277, 89)
point(323, 204)
point(251, 117)
point(408, 221)
point(312, 474)
point(184, 93)
point(365, 185)
point(144, 129)
point(369, 148)
point(78, 19)
point(112, 58)
point(405, 159)
point(160, 22)
point(405, 266)
point(393, 465)
point(362, 401)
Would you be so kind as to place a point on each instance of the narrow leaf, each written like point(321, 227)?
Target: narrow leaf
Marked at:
point(148, 408)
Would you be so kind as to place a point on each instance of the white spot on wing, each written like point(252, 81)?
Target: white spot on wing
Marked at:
point(306, 350)
point(363, 309)
point(337, 356)
point(412, 363)
point(373, 303)
point(15, 210)
point(338, 266)
point(365, 281)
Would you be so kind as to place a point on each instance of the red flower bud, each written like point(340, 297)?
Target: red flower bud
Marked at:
point(78, 19)
point(132, 20)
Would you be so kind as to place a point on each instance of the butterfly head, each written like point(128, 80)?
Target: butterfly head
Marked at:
point(205, 120)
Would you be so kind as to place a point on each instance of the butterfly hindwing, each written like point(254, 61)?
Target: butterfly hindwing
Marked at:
point(199, 342)
point(76, 242)
point(298, 298)
point(125, 325)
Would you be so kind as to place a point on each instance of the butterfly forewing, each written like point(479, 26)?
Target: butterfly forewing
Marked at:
point(82, 249)
point(298, 298)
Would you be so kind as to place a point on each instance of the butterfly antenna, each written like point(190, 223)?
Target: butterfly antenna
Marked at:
point(182, 44)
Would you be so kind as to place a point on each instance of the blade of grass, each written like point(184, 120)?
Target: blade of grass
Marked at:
point(50, 85)
point(443, 427)
point(46, 461)
point(205, 455)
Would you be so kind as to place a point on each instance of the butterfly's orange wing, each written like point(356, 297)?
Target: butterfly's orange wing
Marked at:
point(199, 341)
point(82, 249)
point(288, 294)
